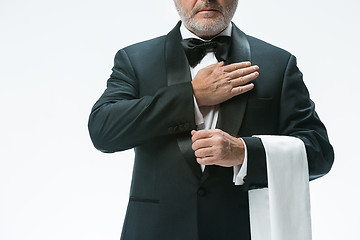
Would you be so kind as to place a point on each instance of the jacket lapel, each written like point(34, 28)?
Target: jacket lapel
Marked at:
point(178, 71)
point(232, 112)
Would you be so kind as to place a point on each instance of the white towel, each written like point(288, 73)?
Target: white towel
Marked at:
point(282, 211)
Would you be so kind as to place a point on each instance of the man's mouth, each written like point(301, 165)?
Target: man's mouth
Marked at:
point(208, 10)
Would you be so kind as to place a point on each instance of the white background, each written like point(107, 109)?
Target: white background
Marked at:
point(55, 58)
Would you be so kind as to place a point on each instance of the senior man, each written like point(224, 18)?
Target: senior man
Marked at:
point(190, 103)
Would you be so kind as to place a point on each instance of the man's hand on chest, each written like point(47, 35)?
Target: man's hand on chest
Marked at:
point(217, 83)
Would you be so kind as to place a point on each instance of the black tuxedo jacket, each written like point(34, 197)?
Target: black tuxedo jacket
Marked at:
point(148, 105)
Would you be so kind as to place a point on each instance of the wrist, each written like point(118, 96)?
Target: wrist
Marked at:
point(197, 95)
point(241, 146)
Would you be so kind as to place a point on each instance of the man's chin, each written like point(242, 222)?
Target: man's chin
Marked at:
point(206, 27)
point(210, 22)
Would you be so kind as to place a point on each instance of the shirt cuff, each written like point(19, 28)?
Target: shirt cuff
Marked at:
point(240, 171)
point(199, 119)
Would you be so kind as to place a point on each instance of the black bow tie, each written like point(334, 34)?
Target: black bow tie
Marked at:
point(195, 49)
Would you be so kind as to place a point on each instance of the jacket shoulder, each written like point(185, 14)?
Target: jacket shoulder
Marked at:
point(266, 49)
point(142, 52)
point(146, 46)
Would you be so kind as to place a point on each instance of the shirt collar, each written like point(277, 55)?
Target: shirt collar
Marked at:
point(185, 33)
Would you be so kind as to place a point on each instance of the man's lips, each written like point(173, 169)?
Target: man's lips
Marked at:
point(208, 10)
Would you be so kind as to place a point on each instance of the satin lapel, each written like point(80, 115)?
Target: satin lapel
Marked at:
point(178, 71)
point(232, 112)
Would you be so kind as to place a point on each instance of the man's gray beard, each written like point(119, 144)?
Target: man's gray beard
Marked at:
point(210, 28)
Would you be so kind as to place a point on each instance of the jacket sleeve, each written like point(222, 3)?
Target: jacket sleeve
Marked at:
point(297, 118)
point(121, 119)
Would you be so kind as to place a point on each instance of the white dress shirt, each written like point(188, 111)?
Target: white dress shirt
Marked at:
point(206, 117)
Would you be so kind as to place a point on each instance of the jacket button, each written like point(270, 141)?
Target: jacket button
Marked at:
point(201, 192)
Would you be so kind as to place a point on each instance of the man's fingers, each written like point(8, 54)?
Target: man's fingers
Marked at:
point(206, 160)
point(235, 66)
point(204, 152)
point(244, 79)
point(201, 143)
point(243, 71)
point(242, 89)
point(201, 134)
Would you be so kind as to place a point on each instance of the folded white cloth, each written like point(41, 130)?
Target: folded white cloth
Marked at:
point(282, 211)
